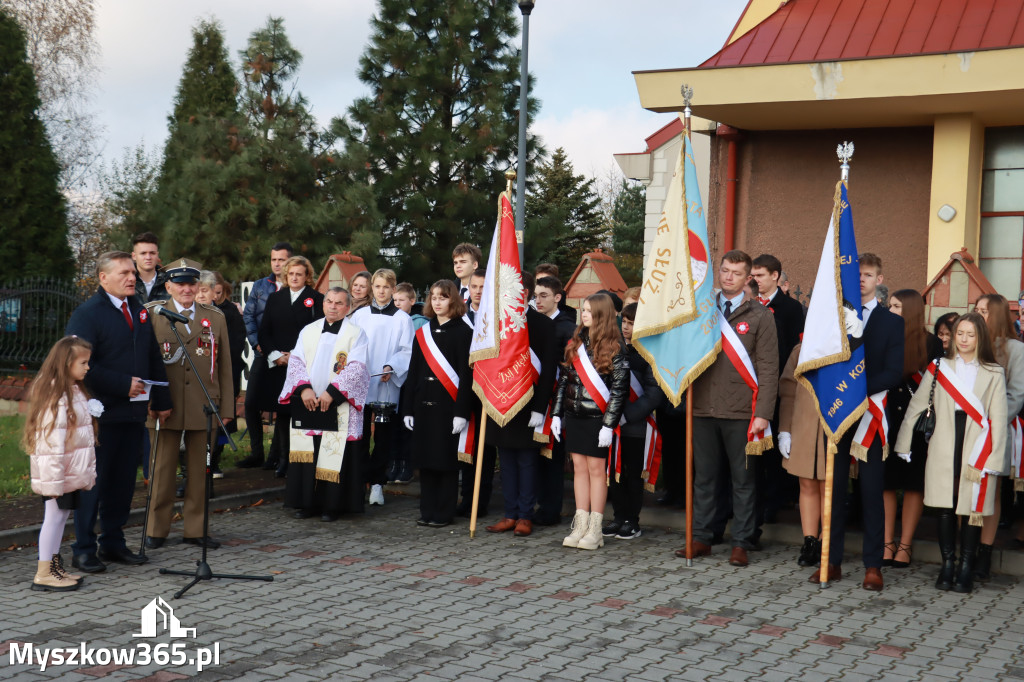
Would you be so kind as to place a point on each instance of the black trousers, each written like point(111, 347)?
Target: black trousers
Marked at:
point(117, 461)
point(872, 484)
point(468, 473)
point(253, 413)
point(672, 426)
point(550, 485)
point(375, 465)
point(627, 493)
point(438, 494)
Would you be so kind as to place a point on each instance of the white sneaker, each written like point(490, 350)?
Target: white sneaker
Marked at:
point(377, 494)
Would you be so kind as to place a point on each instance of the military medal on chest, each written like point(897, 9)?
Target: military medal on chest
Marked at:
point(204, 342)
point(167, 350)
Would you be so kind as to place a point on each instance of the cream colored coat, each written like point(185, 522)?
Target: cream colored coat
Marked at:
point(990, 387)
point(798, 415)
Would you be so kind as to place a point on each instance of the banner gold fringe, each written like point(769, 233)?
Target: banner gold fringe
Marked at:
point(497, 417)
point(328, 475)
point(676, 397)
point(759, 447)
point(300, 457)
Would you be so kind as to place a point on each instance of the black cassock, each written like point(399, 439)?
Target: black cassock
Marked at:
point(434, 446)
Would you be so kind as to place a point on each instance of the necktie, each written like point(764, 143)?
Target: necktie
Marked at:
point(188, 316)
point(727, 309)
point(465, 293)
point(764, 301)
point(127, 315)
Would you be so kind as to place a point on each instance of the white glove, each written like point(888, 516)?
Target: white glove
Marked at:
point(408, 421)
point(604, 437)
point(536, 419)
point(905, 456)
point(785, 443)
point(989, 472)
point(556, 428)
point(458, 425)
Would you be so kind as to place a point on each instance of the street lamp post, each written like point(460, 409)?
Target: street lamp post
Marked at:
point(526, 7)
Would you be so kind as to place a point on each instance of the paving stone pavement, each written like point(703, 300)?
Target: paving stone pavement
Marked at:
point(375, 597)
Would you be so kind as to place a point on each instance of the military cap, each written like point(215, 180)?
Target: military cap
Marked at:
point(183, 270)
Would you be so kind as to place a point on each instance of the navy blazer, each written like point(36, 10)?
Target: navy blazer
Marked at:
point(118, 354)
point(883, 350)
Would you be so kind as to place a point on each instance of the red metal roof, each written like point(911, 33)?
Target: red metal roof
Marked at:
point(607, 274)
point(833, 30)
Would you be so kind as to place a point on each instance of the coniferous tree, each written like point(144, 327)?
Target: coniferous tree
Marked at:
point(439, 127)
point(33, 217)
point(563, 217)
point(628, 214)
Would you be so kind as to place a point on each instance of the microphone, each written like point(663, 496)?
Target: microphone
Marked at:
point(170, 314)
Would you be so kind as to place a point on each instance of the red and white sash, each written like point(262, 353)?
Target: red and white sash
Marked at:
point(591, 379)
point(971, 405)
point(1017, 453)
point(873, 423)
point(737, 354)
point(449, 378)
point(652, 440)
point(542, 434)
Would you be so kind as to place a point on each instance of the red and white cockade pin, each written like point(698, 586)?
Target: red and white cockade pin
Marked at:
point(742, 328)
point(206, 323)
point(308, 303)
point(143, 315)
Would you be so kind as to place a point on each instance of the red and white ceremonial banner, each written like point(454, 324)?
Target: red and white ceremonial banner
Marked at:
point(978, 458)
point(873, 422)
point(737, 354)
point(449, 378)
point(503, 376)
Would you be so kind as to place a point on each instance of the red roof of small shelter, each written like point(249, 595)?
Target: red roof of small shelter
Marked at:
point(349, 264)
point(604, 268)
point(833, 30)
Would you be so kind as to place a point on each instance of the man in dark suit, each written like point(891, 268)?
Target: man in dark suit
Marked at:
point(774, 486)
point(548, 296)
point(883, 367)
point(124, 354)
point(287, 311)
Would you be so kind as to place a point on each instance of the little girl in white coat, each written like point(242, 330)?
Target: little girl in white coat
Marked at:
point(60, 436)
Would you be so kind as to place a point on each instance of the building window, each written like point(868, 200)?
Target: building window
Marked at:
point(1001, 256)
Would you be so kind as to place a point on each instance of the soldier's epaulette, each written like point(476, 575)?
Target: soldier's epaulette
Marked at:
point(153, 304)
point(206, 306)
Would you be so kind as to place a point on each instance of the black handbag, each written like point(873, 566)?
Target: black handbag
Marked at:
point(925, 424)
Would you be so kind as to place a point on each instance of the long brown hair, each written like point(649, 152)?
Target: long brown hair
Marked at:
point(985, 353)
point(915, 337)
point(1000, 324)
point(447, 288)
point(605, 337)
point(52, 383)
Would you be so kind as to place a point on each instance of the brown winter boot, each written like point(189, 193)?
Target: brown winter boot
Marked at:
point(50, 579)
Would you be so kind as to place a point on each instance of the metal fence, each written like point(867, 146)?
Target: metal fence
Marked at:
point(33, 314)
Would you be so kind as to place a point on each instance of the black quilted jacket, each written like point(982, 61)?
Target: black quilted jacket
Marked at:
point(573, 399)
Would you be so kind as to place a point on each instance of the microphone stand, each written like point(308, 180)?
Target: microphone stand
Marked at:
point(203, 571)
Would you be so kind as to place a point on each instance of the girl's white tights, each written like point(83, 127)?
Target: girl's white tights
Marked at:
point(50, 535)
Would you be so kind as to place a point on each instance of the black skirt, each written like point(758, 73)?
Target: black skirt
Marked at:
point(902, 475)
point(580, 434)
point(67, 501)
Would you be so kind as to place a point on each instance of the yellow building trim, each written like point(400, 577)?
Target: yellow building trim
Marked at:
point(893, 91)
point(957, 154)
point(756, 12)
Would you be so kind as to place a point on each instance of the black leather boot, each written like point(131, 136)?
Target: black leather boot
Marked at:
point(947, 548)
point(970, 539)
point(810, 553)
point(983, 567)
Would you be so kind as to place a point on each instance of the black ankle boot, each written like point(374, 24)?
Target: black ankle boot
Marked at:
point(810, 553)
point(970, 539)
point(947, 548)
point(983, 566)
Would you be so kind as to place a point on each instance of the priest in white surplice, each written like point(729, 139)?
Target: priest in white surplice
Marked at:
point(327, 371)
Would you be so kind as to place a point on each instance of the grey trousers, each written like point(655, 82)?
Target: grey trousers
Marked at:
point(714, 440)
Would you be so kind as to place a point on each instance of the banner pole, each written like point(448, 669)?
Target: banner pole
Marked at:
point(689, 476)
point(826, 516)
point(479, 468)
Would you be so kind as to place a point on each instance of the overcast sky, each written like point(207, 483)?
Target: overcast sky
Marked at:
point(582, 53)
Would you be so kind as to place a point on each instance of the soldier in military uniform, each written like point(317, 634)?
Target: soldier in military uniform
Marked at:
point(205, 339)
